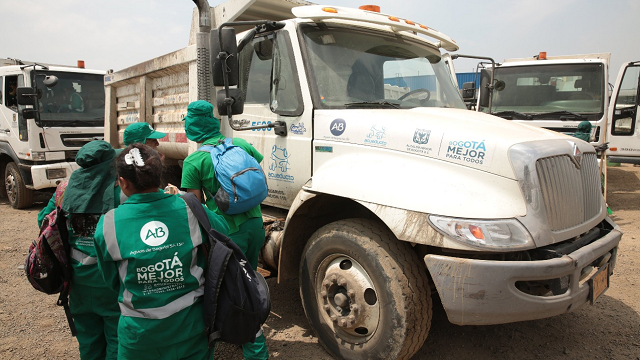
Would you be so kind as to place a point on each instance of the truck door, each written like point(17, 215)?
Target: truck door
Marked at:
point(271, 86)
point(11, 122)
point(625, 134)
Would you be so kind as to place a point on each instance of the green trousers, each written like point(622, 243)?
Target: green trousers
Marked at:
point(195, 348)
point(95, 312)
point(250, 238)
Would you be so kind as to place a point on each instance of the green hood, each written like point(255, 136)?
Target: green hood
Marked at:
point(584, 131)
point(90, 189)
point(200, 124)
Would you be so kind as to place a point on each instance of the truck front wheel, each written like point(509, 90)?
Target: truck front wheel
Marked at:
point(19, 196)
point(364, 292)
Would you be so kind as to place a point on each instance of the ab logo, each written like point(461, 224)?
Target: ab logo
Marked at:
point(338, 126)
point(154, 233)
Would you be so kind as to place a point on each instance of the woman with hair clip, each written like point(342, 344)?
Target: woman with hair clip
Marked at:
point(148, 250)
point(90, 192)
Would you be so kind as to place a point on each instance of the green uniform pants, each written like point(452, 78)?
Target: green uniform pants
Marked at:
point(195, 348)
point(250, 238)
point(95, 312)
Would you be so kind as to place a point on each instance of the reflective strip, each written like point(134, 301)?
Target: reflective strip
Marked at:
point(83, 258)
point(162, 312)
point(196, 239)
point(109, 234)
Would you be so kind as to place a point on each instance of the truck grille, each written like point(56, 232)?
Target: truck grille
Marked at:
point(572, 196)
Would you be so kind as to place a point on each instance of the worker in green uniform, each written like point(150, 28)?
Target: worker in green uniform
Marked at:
point(148, 250)
point(142, 132)
point(245, 229)
point(583, 131)
point(90, 192)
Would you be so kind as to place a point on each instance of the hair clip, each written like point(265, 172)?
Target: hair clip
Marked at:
point(134, 156)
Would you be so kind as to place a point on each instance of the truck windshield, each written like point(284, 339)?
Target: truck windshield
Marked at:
point(568, 92)
point(359, 68)
point(76, 100)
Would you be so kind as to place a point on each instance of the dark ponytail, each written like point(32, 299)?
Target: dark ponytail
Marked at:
point(145, 174)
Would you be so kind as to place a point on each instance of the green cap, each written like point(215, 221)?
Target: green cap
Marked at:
point(200, 124)
point(139, 132)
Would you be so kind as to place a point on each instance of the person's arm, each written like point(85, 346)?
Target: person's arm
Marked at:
point(191, 180)
point(51, 205)
point(108, 268)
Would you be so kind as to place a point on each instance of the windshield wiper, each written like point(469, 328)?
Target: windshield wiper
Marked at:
point(509, 114)
point(568, 115)
point(385, 104)
point(59, 123)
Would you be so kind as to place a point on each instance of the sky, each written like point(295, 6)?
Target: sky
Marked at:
point(116, 34)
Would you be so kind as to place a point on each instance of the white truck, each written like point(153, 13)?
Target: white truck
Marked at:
point(387, 188)
point(624, 137)
point(552, 92)
point(39, 139)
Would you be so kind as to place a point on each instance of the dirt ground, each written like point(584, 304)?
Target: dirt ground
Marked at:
point(33, 327)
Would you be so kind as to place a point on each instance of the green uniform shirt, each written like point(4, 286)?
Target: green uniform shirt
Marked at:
point(83, 253)
point(198, 173)
point(152, 261)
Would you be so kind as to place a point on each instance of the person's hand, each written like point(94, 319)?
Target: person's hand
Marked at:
point(173, 190)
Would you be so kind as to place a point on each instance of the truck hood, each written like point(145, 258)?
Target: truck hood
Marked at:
point(463, 137)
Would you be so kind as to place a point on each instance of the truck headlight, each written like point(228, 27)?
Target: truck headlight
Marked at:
point(38, 156)
point(56, 173)
point(500, 235)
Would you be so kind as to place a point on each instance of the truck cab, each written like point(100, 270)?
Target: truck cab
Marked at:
point(552, 92)
point(38, 146)
point(385, 192)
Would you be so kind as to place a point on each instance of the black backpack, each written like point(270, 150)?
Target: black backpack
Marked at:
point(236, 298)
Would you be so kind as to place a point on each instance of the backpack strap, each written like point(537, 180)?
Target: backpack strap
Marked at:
point(217, 260)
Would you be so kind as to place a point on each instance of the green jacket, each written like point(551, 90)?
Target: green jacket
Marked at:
point(198, 173)
point(83, 253)
point(147, 250)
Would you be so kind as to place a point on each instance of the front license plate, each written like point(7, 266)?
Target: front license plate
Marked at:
point(599, 283)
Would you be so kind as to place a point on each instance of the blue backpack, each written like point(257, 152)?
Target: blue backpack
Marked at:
point(243, 185)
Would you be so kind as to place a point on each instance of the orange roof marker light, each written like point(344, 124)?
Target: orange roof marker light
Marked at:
point(410, 22)
point(373, 8)
point(393, 18)
point(330, 10)
point(424, 27)
point(542, 55)
point(81, 64)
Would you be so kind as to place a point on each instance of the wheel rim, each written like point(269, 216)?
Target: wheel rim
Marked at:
point(10, 185)
point(347, 299)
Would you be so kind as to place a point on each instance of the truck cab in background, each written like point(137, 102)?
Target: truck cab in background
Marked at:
point(552, 92)
point(624, 139)
point(43, 126)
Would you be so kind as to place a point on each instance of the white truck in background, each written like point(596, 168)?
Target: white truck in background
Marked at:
point(386, 187)
point(624, 138)
point(39, 139)
point(552, 92)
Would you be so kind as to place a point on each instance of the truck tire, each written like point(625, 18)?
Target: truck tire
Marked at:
point(365, 293)
point(19, 196)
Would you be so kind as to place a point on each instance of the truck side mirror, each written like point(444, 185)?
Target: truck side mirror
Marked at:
point(485, 80)
point(236, 99)
point(468, 90)
point(26, 96)
point(224, 57)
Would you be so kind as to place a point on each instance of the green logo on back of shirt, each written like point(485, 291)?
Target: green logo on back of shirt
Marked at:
point(154, 233)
